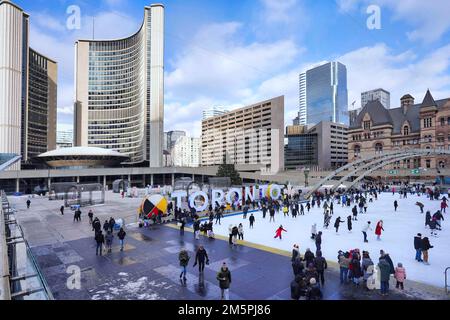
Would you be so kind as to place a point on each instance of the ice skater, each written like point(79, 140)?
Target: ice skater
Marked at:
point(365, 229)
point(420, 205)
point(279, 231)
point(349, 223)
point(251, 220)
point(355, 213)
point(337, 222)
point(378, 229)
point(395, 205)
point(302, 210)
point(272, 214)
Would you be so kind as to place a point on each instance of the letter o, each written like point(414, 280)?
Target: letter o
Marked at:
point(275, 191)
point(199, 194)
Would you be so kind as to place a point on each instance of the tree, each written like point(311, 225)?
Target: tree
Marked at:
point(228, 170)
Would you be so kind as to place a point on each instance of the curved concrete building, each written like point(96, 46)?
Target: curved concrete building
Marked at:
point(119, 95)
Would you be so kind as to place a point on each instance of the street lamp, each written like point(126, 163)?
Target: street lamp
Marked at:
point(306, 172)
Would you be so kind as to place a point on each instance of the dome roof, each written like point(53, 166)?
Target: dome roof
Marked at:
point(82, 151)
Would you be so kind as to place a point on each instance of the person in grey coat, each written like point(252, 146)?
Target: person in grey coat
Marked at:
point(109, 239)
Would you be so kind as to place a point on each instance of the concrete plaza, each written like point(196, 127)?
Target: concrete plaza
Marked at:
point(148, 268)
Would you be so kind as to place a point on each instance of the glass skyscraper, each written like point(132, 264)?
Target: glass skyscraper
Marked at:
point(323, 94)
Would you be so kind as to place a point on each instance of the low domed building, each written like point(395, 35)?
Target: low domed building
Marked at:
point(83, 157)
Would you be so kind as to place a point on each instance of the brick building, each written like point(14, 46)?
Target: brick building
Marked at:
point(411, 126)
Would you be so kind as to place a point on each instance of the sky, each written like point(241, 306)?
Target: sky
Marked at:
point(233, 53)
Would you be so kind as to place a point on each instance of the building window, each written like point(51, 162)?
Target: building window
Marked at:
point(441, 164)
point(427, 123)
point(378, 148)
point(366, 125)
point(428, 163)
point(357, 150)
point(442, 120)
point(405, 130)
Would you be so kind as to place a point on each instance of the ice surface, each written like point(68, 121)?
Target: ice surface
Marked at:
point(397, 239)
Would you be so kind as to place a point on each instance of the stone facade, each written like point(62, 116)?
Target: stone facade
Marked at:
point(411, 126)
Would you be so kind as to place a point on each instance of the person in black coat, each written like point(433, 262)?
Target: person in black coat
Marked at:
point(106, 226)
point(349, 223)
point(308, 257)
point(337, 222)
point(320, 264)
point(62, 210)
point(201, 257)
point(418, 247)
point(297, 266)
point(318, 241)
point(100, 239)
point(355, 213)
point(427, 218)
point(96, 225)
point(314, 292)
point(112, 222)
point(251, 220)
point(295, 288)
point(438, 217)
point(425, 247)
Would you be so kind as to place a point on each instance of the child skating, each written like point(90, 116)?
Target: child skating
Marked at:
point(279, 231)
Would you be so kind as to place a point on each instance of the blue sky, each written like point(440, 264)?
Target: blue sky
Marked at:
point(236, 52)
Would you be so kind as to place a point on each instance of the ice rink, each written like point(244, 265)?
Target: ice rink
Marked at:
point(397, 239)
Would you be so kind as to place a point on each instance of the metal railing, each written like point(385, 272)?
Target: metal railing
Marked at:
point(446, 283)
point(17, 274)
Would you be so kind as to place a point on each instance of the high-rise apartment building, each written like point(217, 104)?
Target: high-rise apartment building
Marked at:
point(323, 94)
point(119, 92)
point(28, 90)
point(186, 152)
point(249, 135)
point(212, 112)
point(378, 94)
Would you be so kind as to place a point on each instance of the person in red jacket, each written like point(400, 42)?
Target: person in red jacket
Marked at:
point(444, 206)
point(378, 229)
point(279, 231)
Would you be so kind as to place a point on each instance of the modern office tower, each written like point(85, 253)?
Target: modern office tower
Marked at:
point(119, 92)
point(27, 90)
point(212, 112)
point(249, 135)
point(323, 94)
point(322, 147)
point(172, 137)
point(40, 129)
point(64, 139)
point(186, 152)
point(378, 94)
point(301, 149)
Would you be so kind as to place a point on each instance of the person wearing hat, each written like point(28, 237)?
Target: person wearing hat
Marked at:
point(418, 247)
point(314, 292)
point(224, 277)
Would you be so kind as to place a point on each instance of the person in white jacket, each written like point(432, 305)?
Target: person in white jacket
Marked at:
point(313, 231)
point(365, 229)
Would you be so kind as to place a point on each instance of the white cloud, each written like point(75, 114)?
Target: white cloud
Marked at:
point(279, 11)
point(219, 68)
point(377, 66)
point(428, 18)
point(66, 110)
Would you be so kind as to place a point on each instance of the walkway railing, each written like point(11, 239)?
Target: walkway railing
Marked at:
point(446, 283)
point(22, 277)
